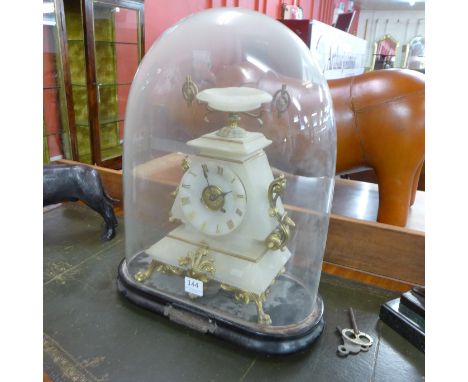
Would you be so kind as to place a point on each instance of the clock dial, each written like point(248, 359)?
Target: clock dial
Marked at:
point(212, 198)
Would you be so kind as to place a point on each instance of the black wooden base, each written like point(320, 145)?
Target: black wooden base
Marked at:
point(405, 315)
point(209, 323)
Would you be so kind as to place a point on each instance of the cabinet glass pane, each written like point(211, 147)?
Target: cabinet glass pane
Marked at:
point(127, 62)
point(123, 91)
point(80, 104)
point(73, 20)
point(55, 127)
point(117, 58)
point(77, 61)
point(84, 143)
point(76, 54)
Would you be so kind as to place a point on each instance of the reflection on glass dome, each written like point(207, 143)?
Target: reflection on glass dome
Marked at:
point(229, 164)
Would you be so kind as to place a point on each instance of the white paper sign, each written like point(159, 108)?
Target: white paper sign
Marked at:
point(194, 286)
point(339, 54)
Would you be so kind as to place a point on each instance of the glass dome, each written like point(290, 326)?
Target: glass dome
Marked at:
point(229, 164)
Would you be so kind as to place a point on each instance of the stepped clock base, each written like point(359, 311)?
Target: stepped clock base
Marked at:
point(239, 294)
point(276, 338)
point(228, 268)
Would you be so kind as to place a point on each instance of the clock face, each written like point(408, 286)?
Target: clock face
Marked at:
point(212, 198)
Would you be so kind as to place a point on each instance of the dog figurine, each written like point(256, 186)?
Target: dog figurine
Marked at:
point(63, 183)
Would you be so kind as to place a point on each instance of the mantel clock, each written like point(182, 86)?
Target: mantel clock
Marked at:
point(229, 164)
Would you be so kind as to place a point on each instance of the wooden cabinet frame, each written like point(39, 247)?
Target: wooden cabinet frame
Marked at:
point(87, 13)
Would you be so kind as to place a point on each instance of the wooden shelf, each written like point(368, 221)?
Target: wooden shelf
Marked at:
point(104, 42)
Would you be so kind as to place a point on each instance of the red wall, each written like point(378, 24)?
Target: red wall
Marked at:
point(161, 14)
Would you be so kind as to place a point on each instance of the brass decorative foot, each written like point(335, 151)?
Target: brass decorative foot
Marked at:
point(145, 275)
point(263, 318)
point(156, 266)
point(247, 297)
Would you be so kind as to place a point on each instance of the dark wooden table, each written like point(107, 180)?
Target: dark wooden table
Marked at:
point(92, 334)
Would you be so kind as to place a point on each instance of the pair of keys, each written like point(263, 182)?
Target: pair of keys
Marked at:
point(354, 340)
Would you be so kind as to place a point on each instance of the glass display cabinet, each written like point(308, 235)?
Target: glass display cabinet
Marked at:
point(102, 48)
point(385, 50)
point(229, 164)
point(105, 42)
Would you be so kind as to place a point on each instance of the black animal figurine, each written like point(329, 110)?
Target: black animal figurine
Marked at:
point(79, 182)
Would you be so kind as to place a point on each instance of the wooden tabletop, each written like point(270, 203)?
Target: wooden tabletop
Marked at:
point(93, 334)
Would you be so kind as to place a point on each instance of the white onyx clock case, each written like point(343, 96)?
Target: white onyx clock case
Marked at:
point(229, 160)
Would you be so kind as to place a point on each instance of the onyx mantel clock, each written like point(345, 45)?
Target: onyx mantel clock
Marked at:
point(225, 230)
point(225, 204)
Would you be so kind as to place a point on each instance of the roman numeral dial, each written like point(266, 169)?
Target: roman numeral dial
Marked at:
point(212, 198)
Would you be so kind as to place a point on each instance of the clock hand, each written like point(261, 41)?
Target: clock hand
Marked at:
point(216, 198)
point(206, 175)
point(223, 194)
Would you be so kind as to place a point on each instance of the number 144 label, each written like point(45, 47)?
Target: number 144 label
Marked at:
point(194, 286)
